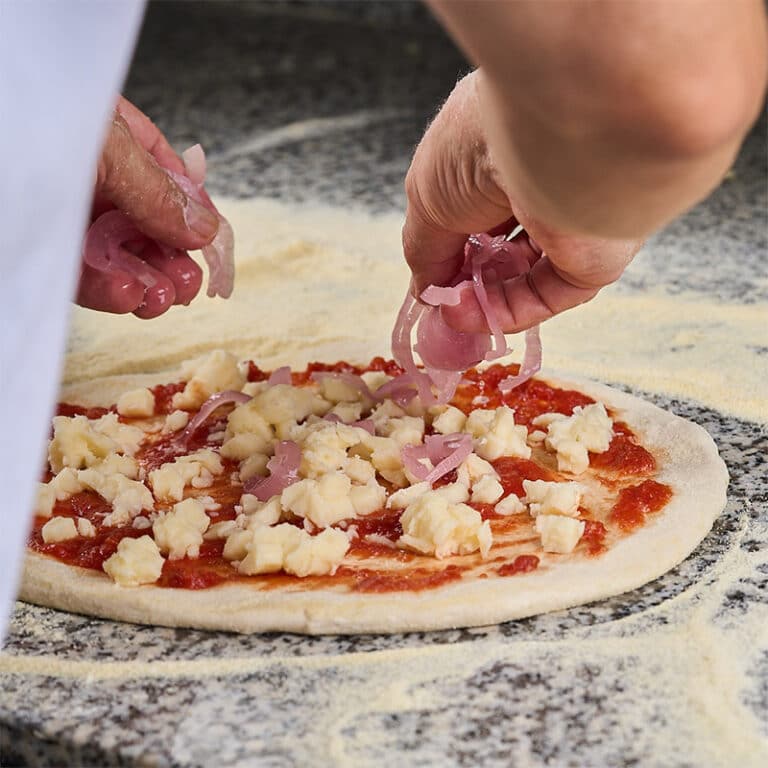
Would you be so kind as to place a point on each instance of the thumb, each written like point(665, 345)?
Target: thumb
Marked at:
point(130, 178)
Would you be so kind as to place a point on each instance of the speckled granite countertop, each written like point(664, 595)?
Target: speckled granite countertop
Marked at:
point(325, 102)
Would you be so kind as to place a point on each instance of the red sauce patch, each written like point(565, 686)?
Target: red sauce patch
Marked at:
point(512, 471)
point(65, 409)
point(164, 395)
point(637, 501)
point(521, 564)
point(624, 454)
point(255, 373)
point(410, 580)
point(593, 537)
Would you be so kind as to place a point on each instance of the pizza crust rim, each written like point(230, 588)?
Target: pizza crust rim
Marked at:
point(689, 463)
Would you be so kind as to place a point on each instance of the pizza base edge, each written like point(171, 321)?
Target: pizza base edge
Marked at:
point(691, 465)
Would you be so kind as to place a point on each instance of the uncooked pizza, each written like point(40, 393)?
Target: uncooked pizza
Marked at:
point(380, 497)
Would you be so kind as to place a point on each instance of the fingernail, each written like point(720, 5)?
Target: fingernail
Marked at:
point(200, 220)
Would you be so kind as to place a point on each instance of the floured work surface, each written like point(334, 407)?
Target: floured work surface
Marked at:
point(683, 652)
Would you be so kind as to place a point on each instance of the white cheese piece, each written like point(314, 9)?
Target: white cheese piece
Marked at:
point(336, 390)
point(252, 466)
point(588, 429)
point(136, 403)
point(375, 379)
point(115, 464)
point(260, 512)
point(293, 550)
point(385, 457)
point(141, 523)
point(127, 497)
point(487, 490)
point(502, 437)
point(215, 372)
point(323, 502)
point(383, 413)
point(66, 484)
point(77, 444)
point(283, 404)
point(126, 438)
point(454, 493)
point(325, 448)
point(221, 530)
point(236, 545)
point(479, 422)
point(245, 444)
point(358, 470)
point(175, 421)
point(473, 468)
point(433, 526)
point(85, 528)
point(545, 498)
point(449, 421)
point(559, 534)
point(136, 561)
point(179, 533)
point(196, 469)
point(536, 437)
point(406, 496)
point(510, 505)
point(59, 529)
point(407, 430)
point(46, 498)
point(367, 498)
point(347, 412)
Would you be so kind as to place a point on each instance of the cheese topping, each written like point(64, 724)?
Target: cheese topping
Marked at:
point(136, 561)
point(179, 533)
point(136, 403)
point(59, 529)
point(206, 375)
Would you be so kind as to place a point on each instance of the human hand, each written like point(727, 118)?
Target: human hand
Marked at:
point(453, 189)
point(132, 178)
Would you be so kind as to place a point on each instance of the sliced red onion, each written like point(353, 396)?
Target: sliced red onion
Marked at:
point(446, 296)
point(401, 390)
point(280, 375)
point(531, 364)
point(366, 424)
point(402, 349)
point(218, 255)
point(446, 452)
point(460, 446)
point(209, 406)
point(283, 471)
point(445, 349)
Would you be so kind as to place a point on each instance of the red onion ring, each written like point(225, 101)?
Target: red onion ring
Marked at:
point(283, 471)
point(280, 375)
point(446, 452)
point(209, 406)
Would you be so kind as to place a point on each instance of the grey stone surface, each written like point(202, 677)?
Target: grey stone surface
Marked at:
point(325, 102)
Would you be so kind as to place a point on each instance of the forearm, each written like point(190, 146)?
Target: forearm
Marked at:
point(611, 118)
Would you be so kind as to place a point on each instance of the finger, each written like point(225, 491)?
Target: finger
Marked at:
point(149, 136)
point(521, 302)
point(116, 291)
point(134, 182)
point(181, 270)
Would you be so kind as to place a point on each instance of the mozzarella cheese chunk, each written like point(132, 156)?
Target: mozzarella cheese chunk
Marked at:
point(545, 498)
point(367, 498)
point(179, 533)
point(282, 405)
point(325, 448)
point(136, 403)
point(221, 530)
point(254, 465)
point(498, 435)
point(244, 445)
point(510, 505)
point(294, 551)
point(434, 526)
point(473, 468)
point(175, 421)
point(407, 430)
point(385, 457)
point(85, 528)
point(589, 429)
point(486, 490)
point(453, 493)
point(77, 444)
point(45, 499)
point(196, 469)
point(126, 438)
point(59, 529)
point(406, 496)
point(136, 561)
point(127, 497)
point(559, 534)
point(449, 421)
point(258, 513)
point(358, 470)
point(215, 372)
point(323, 502)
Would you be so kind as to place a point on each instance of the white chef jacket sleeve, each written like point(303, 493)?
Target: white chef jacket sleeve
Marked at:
point(62, 64)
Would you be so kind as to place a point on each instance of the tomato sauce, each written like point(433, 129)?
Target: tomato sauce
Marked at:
point(637, 501)
point(521, 564)
point(478, 390)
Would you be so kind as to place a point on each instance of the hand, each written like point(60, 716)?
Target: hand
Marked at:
point(453, 190)
point(131, 177)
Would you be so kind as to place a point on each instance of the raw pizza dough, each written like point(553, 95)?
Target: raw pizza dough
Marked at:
point(688, 462)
